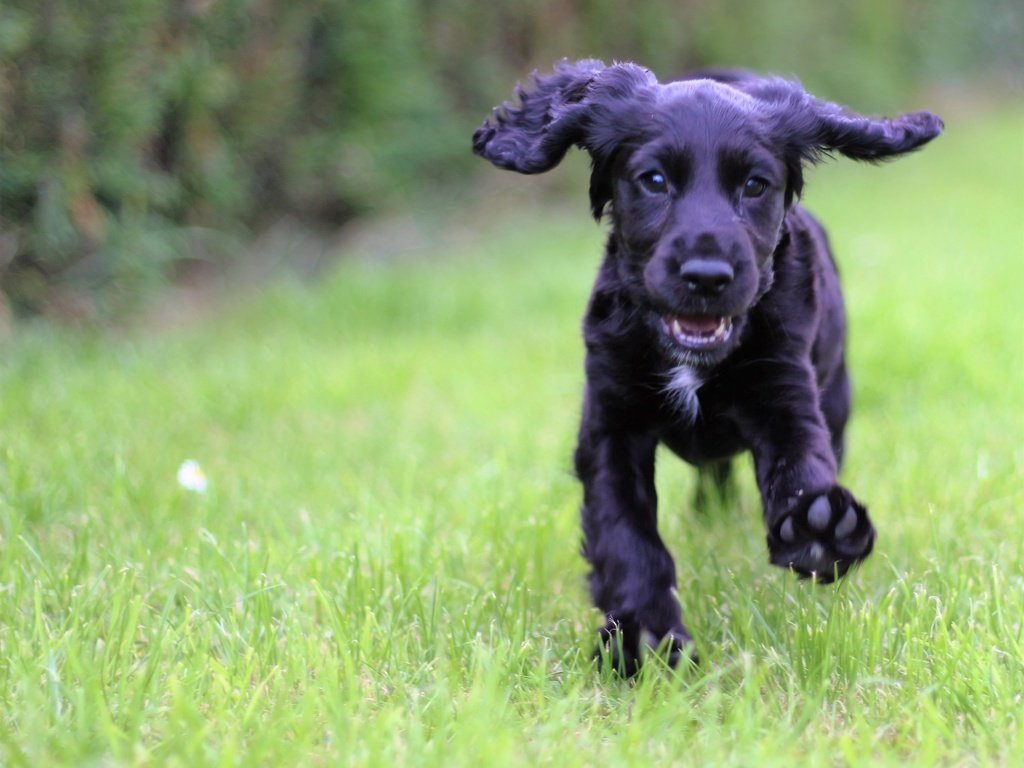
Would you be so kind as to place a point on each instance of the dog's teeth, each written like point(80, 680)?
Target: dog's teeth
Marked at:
point(676, 328)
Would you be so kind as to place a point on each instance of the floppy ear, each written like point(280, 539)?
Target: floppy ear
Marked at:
point(865, 138)
point(807, 128)
point(533, 136)
point(814, 127)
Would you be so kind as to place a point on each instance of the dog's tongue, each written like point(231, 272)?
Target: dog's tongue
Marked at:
point(698, 325)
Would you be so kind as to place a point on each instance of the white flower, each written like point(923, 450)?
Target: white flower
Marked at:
point(191, 476)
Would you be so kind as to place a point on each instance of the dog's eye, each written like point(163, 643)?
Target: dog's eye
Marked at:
point(754, 187)
point(654, 182)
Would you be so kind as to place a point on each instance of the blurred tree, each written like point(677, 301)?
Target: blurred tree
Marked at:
point(136, 135)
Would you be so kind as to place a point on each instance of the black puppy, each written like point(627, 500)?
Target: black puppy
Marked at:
point(716, 324)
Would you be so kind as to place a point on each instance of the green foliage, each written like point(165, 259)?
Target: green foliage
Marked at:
point(385, 569)
point(129, 129)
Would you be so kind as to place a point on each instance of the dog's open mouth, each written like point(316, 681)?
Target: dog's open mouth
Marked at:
point(697, 332)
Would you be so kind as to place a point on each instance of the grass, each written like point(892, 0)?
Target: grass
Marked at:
point(384, 569)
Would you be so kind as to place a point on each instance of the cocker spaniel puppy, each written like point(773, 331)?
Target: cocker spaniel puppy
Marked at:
point(716, 323)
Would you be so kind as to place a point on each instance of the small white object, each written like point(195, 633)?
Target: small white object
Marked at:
point(191, 476)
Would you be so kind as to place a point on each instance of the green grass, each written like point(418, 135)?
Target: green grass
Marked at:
point(384, 570)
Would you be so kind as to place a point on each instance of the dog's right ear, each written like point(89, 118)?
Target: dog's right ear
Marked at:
point(533, 136)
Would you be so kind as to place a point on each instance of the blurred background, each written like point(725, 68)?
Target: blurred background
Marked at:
point(144, 142)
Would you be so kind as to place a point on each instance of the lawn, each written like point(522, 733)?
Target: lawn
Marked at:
point(384, 567)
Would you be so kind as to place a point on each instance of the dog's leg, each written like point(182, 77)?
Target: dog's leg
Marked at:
point(815, 526)
point(835, 406)
point(633, 577)
point(715, 486)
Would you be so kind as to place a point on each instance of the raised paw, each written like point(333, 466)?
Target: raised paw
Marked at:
point(623, 643)
point(822, 535)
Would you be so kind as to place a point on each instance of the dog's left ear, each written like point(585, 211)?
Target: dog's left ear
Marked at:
point(562, 109)
point(807, 128)
point(863, 138)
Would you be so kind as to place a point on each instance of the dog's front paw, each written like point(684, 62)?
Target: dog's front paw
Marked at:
point(822, 535)
point(622, 644)
point(618, 645)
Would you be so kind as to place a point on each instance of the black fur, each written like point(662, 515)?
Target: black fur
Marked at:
point(716, 323)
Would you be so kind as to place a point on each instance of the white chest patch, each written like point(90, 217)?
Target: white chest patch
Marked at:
point(682, 389)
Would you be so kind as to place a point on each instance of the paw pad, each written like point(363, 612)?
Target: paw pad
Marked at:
point(823, 535)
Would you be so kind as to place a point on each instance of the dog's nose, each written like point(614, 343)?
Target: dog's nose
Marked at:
point(707, 277)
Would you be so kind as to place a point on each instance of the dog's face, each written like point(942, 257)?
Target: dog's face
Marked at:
point(699, 175)
point(698, 198)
